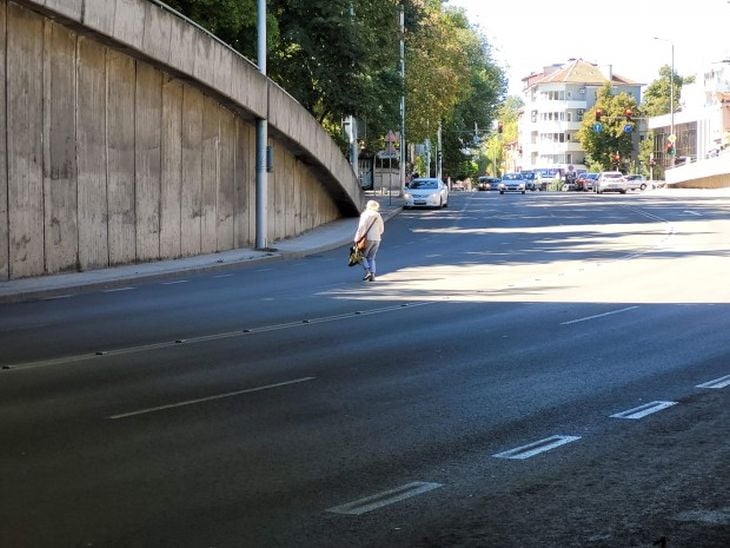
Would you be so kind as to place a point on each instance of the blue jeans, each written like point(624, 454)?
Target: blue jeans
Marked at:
point(368, 260)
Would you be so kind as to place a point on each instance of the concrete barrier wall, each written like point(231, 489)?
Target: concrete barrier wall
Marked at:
point(129, 135)
point(706, 173)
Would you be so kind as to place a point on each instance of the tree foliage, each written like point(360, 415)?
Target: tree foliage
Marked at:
point(341, 57)
point(658, 94)
point(612, 141)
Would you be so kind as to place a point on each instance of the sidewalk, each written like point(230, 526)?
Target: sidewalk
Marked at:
point(324, 238)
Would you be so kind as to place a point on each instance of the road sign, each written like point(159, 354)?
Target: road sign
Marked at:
point(672, 138)
point(628, 128)
point(597, 127)
point(390, 137)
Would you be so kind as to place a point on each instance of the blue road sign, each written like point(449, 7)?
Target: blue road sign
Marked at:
point(597, 127)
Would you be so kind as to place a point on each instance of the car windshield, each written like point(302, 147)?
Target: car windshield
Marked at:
point(528, 175)
point(512, 176)
point(426, 184)
point(612, 175)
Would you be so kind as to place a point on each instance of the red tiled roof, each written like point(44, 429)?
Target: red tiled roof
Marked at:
point(577, 71)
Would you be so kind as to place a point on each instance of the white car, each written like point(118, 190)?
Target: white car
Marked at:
point(426, 192)
point(512, 182)
point(611, 181)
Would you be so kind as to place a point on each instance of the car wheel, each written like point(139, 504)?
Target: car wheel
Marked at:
point(642, 187)
point(501, 191)
point(523, 192)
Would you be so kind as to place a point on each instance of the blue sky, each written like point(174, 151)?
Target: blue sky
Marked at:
point(526, 35)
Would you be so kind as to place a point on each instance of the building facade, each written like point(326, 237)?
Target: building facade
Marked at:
point(701, 122)
point(556, 100)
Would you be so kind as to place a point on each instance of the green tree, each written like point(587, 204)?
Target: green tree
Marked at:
point(658, 94)
point(450, 78)
point(341, 57)
point(612, 141)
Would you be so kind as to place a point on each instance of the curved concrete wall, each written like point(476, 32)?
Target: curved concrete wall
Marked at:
point(129, 135)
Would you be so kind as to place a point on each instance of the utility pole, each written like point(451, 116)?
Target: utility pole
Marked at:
point(262, 138)
point(402, 162)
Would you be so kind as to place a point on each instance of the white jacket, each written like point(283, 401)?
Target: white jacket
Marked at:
point(377, 228)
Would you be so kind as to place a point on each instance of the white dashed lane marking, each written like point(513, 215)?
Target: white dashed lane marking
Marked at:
point(596, 316)
point(208, 398)
point(722, 382)
point(385, 498)
point(644, 410)
point(537, 447)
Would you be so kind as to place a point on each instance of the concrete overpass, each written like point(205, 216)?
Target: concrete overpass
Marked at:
point(128, 135)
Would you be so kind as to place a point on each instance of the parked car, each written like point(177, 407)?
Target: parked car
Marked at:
point(486, 182)
point(512, 182)
point(611, 181)
point(426, 192)
point(529, 177)
point(587, 181)
point(546, 178)
point(635, 182)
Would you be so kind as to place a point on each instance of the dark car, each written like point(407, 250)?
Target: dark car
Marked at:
point(529, 176)
point(486, 182)
point(586, 181)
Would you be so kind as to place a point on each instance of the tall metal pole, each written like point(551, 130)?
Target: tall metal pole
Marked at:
point(402, 168)
point(671, 93)
point(262, 130)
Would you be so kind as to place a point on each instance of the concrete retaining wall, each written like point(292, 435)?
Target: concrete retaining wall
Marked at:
point(129, 135)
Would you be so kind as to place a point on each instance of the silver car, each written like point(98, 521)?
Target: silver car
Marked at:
point(512, 182)
point(611, 181)
point(426, 192)
point(636, 182)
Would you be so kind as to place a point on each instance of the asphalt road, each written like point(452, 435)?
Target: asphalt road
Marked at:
point(537, 370)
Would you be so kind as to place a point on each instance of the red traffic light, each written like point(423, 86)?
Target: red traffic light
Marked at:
point(599, 113)
point(628, 113)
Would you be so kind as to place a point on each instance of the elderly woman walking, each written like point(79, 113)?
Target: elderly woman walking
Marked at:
point(370, 229)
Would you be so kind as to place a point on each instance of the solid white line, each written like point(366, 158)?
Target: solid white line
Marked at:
point(643, 410)
point(118, 289)
point(690, 212)
point(722, 382)
point(535, 448)
point(223, 276)
point(385, 498)
point(611, 313)
point(175, 282)
point(209, 398)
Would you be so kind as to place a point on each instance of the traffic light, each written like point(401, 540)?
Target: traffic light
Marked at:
point(670, 149)
point(628, 113)
point(599, 113)
point(500, 127)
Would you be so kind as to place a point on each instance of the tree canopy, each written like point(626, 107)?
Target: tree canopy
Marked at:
point(606, 131)
point(341, 58)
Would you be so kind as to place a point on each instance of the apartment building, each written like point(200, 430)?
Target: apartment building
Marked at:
point(555, 101)
point(701, 122)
